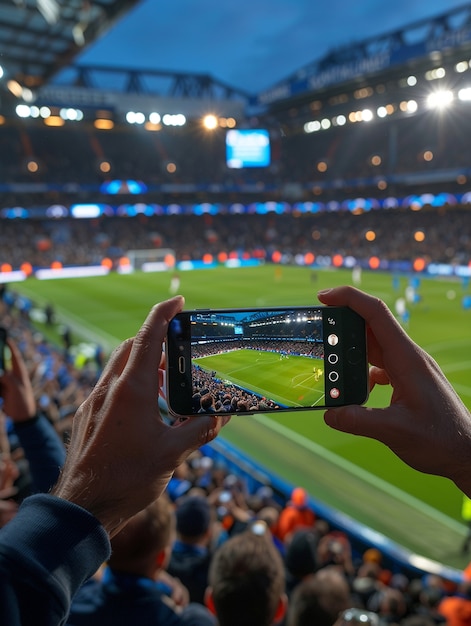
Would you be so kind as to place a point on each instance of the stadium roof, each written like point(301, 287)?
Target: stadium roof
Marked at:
point(40, 37)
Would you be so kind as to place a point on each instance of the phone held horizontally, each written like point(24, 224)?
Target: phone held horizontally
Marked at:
point(264, 360)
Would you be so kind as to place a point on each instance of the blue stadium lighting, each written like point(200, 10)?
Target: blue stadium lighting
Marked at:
point(87, 211)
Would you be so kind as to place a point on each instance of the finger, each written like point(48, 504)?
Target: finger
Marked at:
point(378, 376)
point(18, 365)
point(359, 420)
point(194, 432)
point(146, 351)
point(382, 322)
point(117, 362)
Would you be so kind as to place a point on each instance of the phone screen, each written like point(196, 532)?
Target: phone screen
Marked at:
point(263, 360)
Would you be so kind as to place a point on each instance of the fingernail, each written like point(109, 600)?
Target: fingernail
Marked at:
point(324, 291)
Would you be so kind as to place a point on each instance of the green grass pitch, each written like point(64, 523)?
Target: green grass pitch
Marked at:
point(360, 476)
point(290, 381)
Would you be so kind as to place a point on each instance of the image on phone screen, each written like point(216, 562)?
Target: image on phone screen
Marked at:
point(263, 360)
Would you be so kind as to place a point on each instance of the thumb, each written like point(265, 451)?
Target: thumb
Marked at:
point(358, 420)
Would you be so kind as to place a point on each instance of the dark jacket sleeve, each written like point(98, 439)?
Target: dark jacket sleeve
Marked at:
point(44, 451)
point(47, 552)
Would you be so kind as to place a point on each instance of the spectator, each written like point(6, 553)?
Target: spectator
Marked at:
point(246, 580)
point(456, 608)
point(129, 591)
point(301, 556)
point(319, 599)
point(295, 514)
point(191, 555)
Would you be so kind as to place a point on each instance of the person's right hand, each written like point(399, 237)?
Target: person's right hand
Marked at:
point(121, 453)
point(426, 423)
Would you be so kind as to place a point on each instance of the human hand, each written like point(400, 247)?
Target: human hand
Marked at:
point(179, 594)
point(8, 510)
point(426, 424)
point(121, 454)
point(17, 391)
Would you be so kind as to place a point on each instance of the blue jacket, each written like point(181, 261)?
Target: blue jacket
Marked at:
point(47, 552)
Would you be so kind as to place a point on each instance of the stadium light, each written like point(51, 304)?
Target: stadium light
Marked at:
point(440, 99)
point(135, 117)
point(312, 127)
point(1, 72)
point(174, 120)
point(22, 110)
point(435, 74)
point(461, 67)
point(464, 94)
point(210, 121)
point(340, 120)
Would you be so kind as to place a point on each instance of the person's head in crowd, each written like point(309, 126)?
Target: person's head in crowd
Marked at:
point(207, 403)
point(389, 604)
point(180, 483)
point(319, 599)
point(299, 498)
point(301, 556)
point(246, 580)
point(366, 581)
point(269, 515)
point(144, 544)
point(194, 518)
point(335, 549)
point(372, 555)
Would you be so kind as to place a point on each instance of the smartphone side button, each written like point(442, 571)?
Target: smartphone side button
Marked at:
point(181, 364)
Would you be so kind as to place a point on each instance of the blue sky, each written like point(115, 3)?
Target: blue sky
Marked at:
point(249, 44)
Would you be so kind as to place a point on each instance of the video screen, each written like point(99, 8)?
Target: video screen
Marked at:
point(248, 148)
point(257, 360)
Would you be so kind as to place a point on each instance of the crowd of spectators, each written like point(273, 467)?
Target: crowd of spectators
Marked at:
point(437, 235)
point(211, 546)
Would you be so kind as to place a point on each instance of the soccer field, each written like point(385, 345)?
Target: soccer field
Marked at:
point(289, 381)
point(359, 476)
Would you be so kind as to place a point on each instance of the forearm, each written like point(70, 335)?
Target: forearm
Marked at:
point(46, 553)
point(44, 451)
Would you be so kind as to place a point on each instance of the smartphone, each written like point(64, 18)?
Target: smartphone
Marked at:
point(264, 360)
point(3, 346)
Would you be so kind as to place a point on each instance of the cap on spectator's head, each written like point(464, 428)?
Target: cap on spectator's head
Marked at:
point(299, 496)
point(193, 516)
